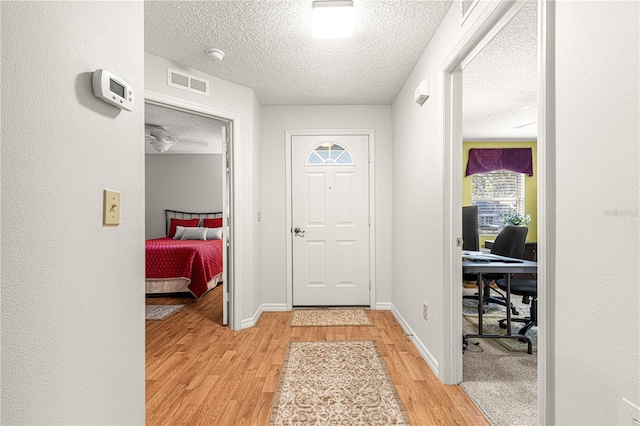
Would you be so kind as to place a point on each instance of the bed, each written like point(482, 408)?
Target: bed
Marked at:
point(189, 259)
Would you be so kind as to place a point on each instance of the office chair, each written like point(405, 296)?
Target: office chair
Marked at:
point(510, 243)
point(528, 289)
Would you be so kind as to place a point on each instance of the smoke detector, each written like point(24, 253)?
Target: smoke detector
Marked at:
point(215, 54)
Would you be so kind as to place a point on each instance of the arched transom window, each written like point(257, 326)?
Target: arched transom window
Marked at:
point(329, 154)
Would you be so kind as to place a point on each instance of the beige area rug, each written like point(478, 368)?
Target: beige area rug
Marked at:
point(329, 317)
point(336, 383)
point(503, 384)
point(160, 312)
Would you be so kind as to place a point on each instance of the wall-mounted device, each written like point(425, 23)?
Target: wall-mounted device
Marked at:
point(422, 92)
point(112, 89)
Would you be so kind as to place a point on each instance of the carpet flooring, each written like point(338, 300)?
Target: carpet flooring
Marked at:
point(502, 383)
point(329, 317)
point(336, 383)
point(160, 312)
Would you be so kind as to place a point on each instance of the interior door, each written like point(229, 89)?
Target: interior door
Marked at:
point(330, 217)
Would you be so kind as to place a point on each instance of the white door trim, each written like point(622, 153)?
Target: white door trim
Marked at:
point(233, 275)
point(493, 18)
point(288, 205)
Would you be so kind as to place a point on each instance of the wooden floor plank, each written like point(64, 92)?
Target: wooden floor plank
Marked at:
point(201, 373)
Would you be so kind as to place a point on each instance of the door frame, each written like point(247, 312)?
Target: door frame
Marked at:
point(230, 215)
point(289, 134)
point(491, 20)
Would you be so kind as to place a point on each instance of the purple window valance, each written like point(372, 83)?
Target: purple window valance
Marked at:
point(485, 160)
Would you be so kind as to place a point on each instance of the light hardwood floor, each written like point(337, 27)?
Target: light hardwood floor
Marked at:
point(199, 372)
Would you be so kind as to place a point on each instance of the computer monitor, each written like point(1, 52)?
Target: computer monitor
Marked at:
point(470, 239)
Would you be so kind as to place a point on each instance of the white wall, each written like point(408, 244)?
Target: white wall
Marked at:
point(418, 161)
point(275, 121)
point(597, 292)
point(184, 182)
point(72, 289)
point(239, 100)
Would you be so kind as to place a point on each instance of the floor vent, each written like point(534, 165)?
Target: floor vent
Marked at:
point(187, 82)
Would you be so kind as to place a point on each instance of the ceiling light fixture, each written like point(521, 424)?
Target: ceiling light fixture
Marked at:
point(161, 145)
point(332, 19)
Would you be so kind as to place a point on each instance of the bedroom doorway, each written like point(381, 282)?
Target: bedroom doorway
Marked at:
point(201, 139)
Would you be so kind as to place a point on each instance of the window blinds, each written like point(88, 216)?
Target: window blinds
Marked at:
point(496, 194)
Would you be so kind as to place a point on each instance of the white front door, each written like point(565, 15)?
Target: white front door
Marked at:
point(330, 218)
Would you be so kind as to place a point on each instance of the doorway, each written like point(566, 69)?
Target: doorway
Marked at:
point(330, 218)
point(493, 19)
point(226, 122)
point(499, 117)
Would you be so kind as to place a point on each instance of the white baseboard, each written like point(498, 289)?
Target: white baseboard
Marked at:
point(265, 307)
point(384, 306)
point(250, 322)
point(274, 307)
point(428, 357)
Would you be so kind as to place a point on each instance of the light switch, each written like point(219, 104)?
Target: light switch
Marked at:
point(111, 208)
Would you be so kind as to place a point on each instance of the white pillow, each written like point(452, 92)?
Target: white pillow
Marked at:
point(179, 232)
point(214, 233)
point(194, 234)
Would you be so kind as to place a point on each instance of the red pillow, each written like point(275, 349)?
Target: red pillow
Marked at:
point(181, 222)
point(213, 223)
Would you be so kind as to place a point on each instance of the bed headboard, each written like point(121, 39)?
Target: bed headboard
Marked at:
point(169, 214)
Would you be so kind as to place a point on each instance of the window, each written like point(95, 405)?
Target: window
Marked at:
point(329, 154)
point(496, 193)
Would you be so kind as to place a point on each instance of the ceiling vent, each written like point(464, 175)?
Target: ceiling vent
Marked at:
point(187, 82)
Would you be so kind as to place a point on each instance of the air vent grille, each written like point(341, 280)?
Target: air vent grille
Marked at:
point(187, 82)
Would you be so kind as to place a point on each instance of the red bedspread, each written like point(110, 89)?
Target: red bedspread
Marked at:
point(196, 260)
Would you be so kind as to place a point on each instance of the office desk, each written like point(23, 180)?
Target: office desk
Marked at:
point(507, 267)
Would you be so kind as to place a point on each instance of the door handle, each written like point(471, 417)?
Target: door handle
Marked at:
point(299, 232)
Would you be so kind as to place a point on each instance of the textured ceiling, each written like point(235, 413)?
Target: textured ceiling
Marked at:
point(500, 93)
point(192, 131)
point(268, 47)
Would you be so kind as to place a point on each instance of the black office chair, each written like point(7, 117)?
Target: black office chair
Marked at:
point(510, 243)
point(528, 289)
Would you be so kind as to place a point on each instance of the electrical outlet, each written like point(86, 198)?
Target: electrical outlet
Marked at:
point(424, 311)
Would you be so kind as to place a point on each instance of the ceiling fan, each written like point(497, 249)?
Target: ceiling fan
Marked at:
point(162, 140)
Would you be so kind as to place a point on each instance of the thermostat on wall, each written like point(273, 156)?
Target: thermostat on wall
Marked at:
point(112, 89)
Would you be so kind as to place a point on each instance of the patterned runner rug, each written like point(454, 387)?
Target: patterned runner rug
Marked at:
point(329, 317)
point(336, 383)
point(160, 312)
